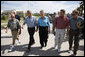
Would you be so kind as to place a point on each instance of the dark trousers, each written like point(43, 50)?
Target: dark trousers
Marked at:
point(75, 34)
point(43, 35)
point(31, 32)
point(82, 32)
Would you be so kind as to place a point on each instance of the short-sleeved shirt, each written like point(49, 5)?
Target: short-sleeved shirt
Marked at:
point(31, 22)
point(73, 22)
point(62, 22)
point(14, 24)
point(44, 22)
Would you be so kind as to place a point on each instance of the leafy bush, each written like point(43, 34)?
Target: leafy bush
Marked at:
point(4, 17)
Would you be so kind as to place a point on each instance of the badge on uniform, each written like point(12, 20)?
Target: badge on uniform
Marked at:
point(79, 24)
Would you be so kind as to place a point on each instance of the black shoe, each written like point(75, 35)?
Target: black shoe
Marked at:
point(74, 53)
point(41, 47)
point(70, 48)
point(54, 33)
point(29, 47)
point(45, 44)
point(33, 43)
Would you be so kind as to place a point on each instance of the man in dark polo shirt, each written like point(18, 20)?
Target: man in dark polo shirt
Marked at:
point(75, 26)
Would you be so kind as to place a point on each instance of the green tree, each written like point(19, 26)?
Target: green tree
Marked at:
point(80, 9)
point(21, 15)
point(4, 17)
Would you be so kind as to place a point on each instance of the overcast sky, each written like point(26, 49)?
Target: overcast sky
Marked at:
point(36, 6)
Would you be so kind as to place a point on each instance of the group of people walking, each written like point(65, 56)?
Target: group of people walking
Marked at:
point(61, 23)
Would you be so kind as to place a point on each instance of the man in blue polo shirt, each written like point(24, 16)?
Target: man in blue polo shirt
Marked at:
point(44, 27)
point(31, 23)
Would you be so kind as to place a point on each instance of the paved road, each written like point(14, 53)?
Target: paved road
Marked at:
point(21, 49)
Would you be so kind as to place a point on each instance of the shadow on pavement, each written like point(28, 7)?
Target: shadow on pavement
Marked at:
point(4, 48)
point(6, 36)
point(35, 50)
point(16, 48)
point(81, 48)
point(39, 52)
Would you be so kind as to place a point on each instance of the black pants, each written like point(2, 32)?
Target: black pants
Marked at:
point(75, 34)
point(43, 34)
point(82, 32)
point(31, 32)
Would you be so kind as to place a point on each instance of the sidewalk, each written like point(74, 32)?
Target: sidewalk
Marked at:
point(21, 49)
